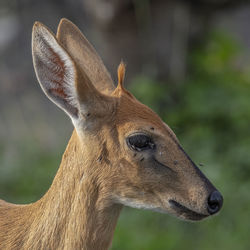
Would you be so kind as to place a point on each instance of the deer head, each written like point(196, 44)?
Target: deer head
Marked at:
point(135, 157)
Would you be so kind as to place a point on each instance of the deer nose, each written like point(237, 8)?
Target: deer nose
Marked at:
point(215, 201)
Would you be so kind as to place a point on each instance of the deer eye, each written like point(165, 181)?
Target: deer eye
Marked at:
point(140, 142)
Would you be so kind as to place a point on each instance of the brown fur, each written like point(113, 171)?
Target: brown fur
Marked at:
point(99, 173)
point(84, 55)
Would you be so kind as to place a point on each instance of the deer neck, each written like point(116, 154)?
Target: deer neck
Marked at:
point(74, 213)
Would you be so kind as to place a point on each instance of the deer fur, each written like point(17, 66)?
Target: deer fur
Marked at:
point(99, 173)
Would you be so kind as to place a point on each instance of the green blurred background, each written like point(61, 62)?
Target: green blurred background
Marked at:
point(188, 60)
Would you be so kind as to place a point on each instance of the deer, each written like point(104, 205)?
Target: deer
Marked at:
point(120, 154)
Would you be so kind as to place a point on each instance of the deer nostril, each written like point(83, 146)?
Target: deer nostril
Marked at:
point(215, 201)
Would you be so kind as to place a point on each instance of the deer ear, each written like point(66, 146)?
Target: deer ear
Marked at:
point(55, 70)
point(60, 78)
point(84, 55)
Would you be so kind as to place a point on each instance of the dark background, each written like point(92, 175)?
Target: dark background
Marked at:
point(188, 60)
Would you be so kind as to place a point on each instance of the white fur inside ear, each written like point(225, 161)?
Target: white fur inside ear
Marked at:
point(55, 70)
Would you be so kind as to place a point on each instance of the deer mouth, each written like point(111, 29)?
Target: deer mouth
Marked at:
point(185, 212)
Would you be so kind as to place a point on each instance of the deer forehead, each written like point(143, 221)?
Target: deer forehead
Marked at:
point(133, 115)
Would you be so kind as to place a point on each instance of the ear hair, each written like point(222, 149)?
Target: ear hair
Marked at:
point(55, 70)
point(63, 81)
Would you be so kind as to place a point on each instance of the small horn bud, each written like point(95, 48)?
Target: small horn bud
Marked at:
point(121, 73)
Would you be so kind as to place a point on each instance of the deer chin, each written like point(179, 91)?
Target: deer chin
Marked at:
point(185, 213)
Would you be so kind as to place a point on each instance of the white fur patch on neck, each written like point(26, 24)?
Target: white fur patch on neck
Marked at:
point(137, 204)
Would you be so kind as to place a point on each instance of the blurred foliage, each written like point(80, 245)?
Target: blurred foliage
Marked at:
point(27, 174)
point(210, 113)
